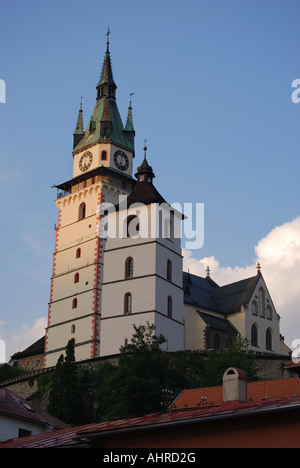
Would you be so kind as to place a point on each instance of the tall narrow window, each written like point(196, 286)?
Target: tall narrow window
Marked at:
point(169, 270)
point(74, 304)
point(269, 339)
point(78, 253)
point(76, 278)
point(103, 156)
point(81, 211)
point(169, 227)
point(72, 329)
point(170, 307)
point(127, 303)
point(254, 335)
point(129, 267)
point(262, 305)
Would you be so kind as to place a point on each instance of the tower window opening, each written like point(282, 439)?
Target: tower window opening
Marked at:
point(82, 211)
point(170, 307)
point(104, 156)
point(73, 329)
point(74, 304)
point(78, 253)
point(76, 278)
point(129, 267)
point(133, 226)
point(127, 303)
point(169, 270)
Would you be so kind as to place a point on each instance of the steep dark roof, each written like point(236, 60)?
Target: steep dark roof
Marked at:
point(231, 297)
point(198, 292)
point(217, 323)
point(36, 348)
point(144, 192)
point(205, 293)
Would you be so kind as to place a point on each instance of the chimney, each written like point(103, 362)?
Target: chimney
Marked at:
point(234, 385)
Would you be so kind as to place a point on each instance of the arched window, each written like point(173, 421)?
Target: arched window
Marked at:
point(217, 341)
point(132, 226)
point(74, 304)
point(78, 253)
point(170, 307)
point(254, 308)
point(103, 156)
point(254, 335)
point(262, 299)
point(269, 339)
point(81, 211)
point(169, 270)
point(76, 278)
point(129, 267)
point(169, 226)
point(72, 329)
point(127, 303)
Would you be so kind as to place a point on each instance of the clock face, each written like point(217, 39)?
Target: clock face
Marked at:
point(121, 160)
point(85, 161)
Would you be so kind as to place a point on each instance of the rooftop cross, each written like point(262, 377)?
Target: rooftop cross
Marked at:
point(145, 148)
point(107, 34)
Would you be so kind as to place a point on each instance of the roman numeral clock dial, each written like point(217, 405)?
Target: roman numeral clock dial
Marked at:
point(85, 161)
point(121, 160)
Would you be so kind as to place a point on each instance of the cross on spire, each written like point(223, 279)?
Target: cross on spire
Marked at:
point(145, 148)
point(107, 42)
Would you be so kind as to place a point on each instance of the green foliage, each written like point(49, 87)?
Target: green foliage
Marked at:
point(134, 386)
point(63, 398)
point(10, 370)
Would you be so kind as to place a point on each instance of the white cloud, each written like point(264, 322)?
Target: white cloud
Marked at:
point(279, 256)
point(20, 338)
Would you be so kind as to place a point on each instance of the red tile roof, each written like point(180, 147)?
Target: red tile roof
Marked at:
point(256, 391)
point(71, 436)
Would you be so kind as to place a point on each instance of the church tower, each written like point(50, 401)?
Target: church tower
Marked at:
point(142, 268)
point(102, 171)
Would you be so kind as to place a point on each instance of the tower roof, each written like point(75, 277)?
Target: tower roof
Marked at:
point(106, 110)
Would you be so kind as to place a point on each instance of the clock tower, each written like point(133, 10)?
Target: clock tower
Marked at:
point(103, 158)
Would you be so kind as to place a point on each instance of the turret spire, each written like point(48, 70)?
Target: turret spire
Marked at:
point(106, 84)
point(79, 131)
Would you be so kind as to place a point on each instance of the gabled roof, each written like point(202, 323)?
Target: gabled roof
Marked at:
point(36, 348)
point(15, 406)
point(231, 297)
point(206, 294)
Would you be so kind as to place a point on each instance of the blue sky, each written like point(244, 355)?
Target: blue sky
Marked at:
point(212, 82)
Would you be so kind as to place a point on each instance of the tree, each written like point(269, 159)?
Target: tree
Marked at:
point(64, 391)
point(236, 356)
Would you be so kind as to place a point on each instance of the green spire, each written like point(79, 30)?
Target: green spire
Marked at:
point(106, 85)
point(129, 124)
point(79, 131)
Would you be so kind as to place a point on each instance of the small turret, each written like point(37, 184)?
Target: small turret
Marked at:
point(79, 131)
